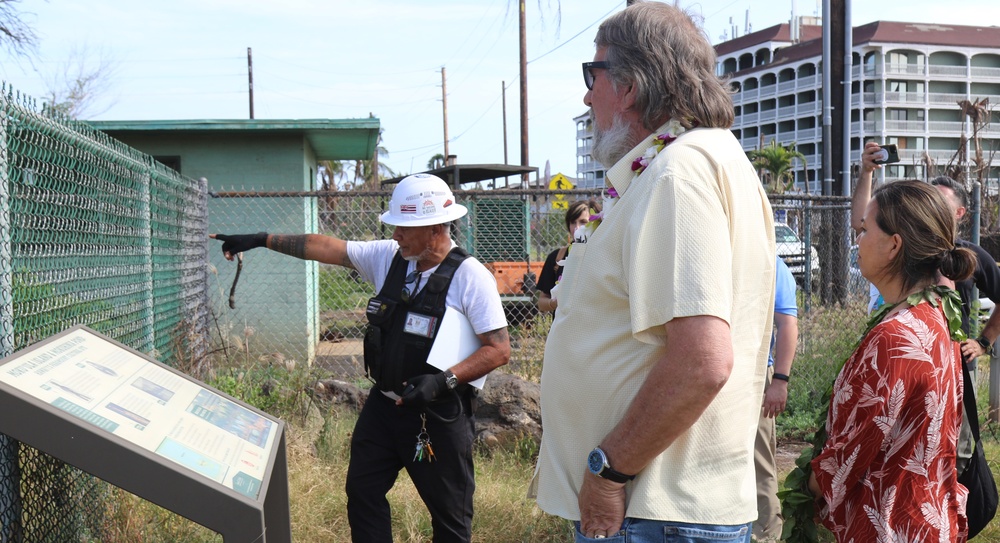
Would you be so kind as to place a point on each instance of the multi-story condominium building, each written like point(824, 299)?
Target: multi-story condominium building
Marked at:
point(908, 83)
point(589, 172)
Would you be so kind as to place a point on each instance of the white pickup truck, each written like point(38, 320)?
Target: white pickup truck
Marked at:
point(793, 252)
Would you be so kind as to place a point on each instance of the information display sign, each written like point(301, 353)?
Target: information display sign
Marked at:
point(144, 412)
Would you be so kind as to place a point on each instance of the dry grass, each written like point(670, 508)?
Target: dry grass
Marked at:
point(318, 469)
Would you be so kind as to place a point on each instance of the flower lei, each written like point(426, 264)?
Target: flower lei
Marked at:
point(797, 501)
point(674, 129)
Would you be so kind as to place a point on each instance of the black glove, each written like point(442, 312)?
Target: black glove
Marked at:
point(235, 244)
point(423, 389)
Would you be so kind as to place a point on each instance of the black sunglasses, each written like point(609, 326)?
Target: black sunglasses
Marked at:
point(412, 277)
point(588, 75)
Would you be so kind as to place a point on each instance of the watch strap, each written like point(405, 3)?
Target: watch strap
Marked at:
point(985, 344)
point(612, 474)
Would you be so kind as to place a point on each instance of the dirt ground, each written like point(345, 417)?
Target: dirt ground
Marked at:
point(786, 454)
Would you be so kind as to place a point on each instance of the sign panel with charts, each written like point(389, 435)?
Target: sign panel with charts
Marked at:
point(149, 413)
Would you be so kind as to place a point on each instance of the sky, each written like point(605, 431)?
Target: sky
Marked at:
point(345, 59)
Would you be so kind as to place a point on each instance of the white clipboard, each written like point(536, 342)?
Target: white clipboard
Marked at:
point(455, 341)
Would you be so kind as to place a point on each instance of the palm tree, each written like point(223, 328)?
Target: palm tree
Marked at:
point(436, 161)
point(368, 174)
point(776, 161)
point(329, 172)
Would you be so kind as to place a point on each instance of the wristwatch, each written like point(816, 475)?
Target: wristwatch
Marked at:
point(597, 463)
point(985, 344)
point(450, 380)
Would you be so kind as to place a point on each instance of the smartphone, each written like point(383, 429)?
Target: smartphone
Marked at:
point(887, 154)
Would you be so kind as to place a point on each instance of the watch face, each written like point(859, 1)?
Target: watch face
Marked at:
point(595, 462)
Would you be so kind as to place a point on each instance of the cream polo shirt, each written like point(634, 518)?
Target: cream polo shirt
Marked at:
point(692, 235)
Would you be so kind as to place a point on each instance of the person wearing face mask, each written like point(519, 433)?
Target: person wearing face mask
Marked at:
point(577, 216)
point(418, 275)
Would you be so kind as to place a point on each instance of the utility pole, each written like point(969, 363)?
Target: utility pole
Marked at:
point(503, 100)
point(524, 92)
point(444, 107)
point(250, 77)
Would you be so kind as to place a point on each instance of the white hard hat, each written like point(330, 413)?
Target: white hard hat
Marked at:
point(422, 200)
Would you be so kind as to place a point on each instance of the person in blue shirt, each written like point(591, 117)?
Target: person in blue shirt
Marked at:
point(769, 521)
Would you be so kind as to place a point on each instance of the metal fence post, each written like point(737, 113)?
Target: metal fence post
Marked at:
point(10, 495)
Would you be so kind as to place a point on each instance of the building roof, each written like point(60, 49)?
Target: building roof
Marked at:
point(928, 33)
point(331, 139)
point(472, 173)
point(986, 37)
point(777, 33)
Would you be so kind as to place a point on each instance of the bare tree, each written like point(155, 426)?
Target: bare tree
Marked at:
point(15, 35)
point(80, 89)
point(976, 116)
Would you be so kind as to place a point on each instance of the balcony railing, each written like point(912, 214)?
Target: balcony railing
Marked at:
point(768, 90)
point(945, 98)
point(786, 86)
point(786, 112)
point(750, 94)
point(809, 134)
point(873, 71)
point(951, 127)
point(807, 82)
point(904, 69)
point(768, 115)
point(947, 71)
point(905, 97)
point(909, 156)
point(784, 138)
point(904, 126)
point(749, 118)
point(807, 108)
point(985, 73)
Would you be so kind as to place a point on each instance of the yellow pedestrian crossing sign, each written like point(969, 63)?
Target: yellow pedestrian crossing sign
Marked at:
point(560, 182)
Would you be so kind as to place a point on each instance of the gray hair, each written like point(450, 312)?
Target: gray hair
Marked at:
point(659, 49)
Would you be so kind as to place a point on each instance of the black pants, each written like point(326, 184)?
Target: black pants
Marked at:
point(384, 442)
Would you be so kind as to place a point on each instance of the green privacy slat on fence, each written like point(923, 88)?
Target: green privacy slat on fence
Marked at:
point(500, 228)
point(91, 232)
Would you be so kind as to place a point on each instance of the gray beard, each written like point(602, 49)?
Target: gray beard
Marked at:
point(612, 144)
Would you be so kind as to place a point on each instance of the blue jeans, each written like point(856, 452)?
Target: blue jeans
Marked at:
point(635, 530)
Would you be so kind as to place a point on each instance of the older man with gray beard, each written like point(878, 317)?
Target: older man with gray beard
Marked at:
point(654, 367)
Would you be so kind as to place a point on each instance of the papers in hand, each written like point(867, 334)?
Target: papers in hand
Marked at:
point(455, 341)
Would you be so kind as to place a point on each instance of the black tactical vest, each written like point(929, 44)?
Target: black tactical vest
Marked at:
point(393, 355)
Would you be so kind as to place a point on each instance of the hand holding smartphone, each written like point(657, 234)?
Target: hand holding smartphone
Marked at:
point(886, 154)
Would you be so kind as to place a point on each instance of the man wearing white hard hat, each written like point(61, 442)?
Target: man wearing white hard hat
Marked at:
point(420, 418)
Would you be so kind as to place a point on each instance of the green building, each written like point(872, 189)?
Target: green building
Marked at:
point(276, 303)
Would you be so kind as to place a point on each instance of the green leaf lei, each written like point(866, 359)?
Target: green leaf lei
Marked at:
point(797, 502)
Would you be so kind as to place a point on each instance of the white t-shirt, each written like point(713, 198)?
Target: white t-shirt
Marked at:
point(473, 291)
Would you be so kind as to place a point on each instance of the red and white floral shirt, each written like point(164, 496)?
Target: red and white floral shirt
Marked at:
point(887, 472)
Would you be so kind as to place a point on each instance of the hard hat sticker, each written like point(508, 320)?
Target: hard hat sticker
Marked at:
point(428, 208)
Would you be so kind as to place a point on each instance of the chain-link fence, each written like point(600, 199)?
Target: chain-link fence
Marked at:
point(511, 232)
point(91, 232)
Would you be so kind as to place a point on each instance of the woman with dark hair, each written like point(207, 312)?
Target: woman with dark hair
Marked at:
point(577, 215)
point(887, 469)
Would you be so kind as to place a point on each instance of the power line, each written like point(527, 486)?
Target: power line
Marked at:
point(577, 35)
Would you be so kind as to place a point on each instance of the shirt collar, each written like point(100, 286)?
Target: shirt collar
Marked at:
point(620, 175)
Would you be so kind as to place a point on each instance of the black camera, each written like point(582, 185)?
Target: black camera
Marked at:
point(887, 154)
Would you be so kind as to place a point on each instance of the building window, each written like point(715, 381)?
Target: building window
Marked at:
point(172, 162)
